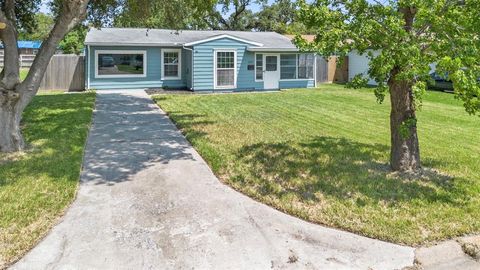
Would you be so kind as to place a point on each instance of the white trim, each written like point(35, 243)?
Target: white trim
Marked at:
point(88, 58)
point(223, 36)
point(263, 49)
point(278, 71)
point(234, 86)
point(297, 66)
point(255, 70)
point(149, 44)
point(143, 52)
point(179, 77)
point(289, 80)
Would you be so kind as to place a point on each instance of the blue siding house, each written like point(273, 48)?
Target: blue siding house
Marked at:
point(121, 58)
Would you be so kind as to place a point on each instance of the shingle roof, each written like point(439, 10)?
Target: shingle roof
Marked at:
point(144, 36)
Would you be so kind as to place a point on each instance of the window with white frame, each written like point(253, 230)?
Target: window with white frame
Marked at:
point(297, 66)
point(259, 66)
point(225, 66)
point(288, 66)
point(116, 63)
point(305, 66)
point(171, 64)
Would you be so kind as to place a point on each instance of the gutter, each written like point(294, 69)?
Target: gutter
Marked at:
point(263, 49)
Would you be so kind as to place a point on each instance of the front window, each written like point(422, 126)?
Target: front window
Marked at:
point(288, 66)
point(259, 67)
point(305, 66)
point(171, 59)
point(120, 64)
point(225, 69)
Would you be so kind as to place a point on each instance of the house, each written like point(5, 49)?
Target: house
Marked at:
point(29, 47)
point(196, 60)
point(327, 70)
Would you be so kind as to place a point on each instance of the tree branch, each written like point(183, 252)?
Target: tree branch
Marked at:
point(71, 13)
point(11, 68)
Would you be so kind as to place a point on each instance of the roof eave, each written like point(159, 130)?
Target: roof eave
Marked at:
point(265, 49)
point(151, 44)
point(224, 36)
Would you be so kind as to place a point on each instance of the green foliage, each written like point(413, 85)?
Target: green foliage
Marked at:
point(402, 36)
point(419, 89)
point(279, 17)
point(72, 43)
point(358, 81)
point(25, 12)
point(406, 127)
point(43, 23)
point(173, 14)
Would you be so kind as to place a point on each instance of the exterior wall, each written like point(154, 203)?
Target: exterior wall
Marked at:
point(197, 71)
point(358, 64)
point(153, 75)
point(204, 69)
point(203, 63)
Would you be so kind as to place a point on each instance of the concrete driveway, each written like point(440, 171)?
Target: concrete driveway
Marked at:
point(147, 200)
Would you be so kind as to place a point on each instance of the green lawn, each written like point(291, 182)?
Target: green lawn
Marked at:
point(23, 73)
point(322, 155)
point(37, 186)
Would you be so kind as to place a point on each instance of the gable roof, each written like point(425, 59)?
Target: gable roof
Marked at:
point(178, 38)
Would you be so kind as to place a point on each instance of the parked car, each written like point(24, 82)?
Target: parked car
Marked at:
point(108, 61)
point(440, 82)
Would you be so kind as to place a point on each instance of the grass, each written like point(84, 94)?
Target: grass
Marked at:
point(322, 155)
point(37, 186)
point(23, 73)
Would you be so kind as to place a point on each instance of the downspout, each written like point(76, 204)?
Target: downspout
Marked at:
point(191, 68)
point(87, 58)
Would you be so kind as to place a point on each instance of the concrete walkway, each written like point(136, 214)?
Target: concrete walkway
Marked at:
point(147, 200)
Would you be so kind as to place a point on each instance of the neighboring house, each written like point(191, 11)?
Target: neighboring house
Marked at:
point(29, 47)
point(197, 60)
point(358, 64)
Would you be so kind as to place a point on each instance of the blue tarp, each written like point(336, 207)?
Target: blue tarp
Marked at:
point(27, 44)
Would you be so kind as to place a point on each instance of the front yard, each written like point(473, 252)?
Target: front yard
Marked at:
point(322, 155)
point(37, 186)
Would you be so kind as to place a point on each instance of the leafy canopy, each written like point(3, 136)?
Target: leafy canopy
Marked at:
point(402, 39)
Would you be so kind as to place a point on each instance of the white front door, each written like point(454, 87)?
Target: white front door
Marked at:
point(271, 73)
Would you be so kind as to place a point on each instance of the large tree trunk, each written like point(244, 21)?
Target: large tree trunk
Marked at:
point(15, 95)
point(405, 152)
point(11, 139)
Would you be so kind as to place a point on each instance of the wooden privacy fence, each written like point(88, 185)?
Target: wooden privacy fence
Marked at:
point(328, 71)
point(65, 72)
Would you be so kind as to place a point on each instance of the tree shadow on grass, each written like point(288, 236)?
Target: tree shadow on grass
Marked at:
point(55, 127)
point(336, 167)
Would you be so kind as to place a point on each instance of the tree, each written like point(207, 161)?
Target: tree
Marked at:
point(171, 14)
point(233, 15)
point(276, 17)
point(72, 43)
point(15, 95)
point(42, 27)
point(401, 39)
